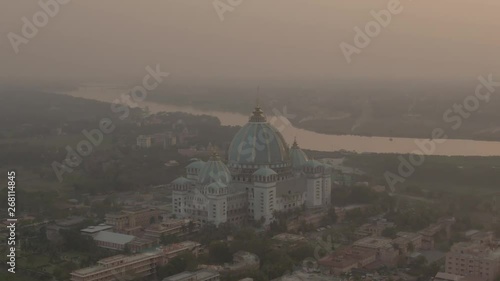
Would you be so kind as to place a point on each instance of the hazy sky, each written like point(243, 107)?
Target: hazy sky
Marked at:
point(260, 39)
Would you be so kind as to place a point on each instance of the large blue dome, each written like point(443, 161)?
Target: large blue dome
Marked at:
point(258, 144)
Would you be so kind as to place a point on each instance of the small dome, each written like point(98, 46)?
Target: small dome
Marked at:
point(181, 180)
point(216, 188)
point(328, 168)
point(297, 156)
point(313, 164)
point(197, 164)
point(264, 172)
point(214, 171)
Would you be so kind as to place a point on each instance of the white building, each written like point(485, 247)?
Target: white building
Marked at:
point(144, 141)
point(263, 175)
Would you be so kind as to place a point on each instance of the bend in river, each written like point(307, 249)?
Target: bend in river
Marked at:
point(312, 140)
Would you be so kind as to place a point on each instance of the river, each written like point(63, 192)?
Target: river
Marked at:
point(308, 139)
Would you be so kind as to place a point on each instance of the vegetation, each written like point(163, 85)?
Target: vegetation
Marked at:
point(387, 113)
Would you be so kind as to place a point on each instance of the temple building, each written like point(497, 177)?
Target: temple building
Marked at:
point(262, 175)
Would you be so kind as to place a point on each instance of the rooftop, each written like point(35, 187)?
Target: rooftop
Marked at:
point(374, 242)
point(448, 276)
point(97, 228)
point(288, 237)
point(113, 237)
point(197, 275)
point(101, 266)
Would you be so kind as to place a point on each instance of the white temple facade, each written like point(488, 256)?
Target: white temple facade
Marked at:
point(263, 175)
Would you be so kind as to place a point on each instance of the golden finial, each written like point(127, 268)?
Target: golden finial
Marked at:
point(214, 155)
point(258, 114)
point(295, 144)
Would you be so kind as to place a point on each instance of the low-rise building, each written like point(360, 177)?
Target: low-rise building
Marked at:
point(481, 237)
point(346, 259)
point(443, 276)
point(94, 230)
point(386, 253)
point(112, 240)
point(408, 242)
point(173, 250)
point(132, 221)
point(118, 267)
point(176, 227)
point(200, 275)
point(373, 228)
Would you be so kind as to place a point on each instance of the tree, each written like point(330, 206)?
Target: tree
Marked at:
point(219, 252)
point(276, 263)
point(191, 226)
point(301, 252)
point(74, 241)
point(183, 262)
point(62, 271)
point(168, 239)
point(411, 247)
point(390, 232)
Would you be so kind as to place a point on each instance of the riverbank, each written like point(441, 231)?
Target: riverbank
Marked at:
point(381, 115)
point(309, 139)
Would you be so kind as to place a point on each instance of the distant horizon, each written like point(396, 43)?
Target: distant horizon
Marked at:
point(448, 40)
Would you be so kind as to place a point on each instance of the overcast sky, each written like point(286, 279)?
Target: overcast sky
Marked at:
point(260, 39)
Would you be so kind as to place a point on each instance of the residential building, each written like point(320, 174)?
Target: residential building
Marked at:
point(346, 259)
point(473, 259)
point(408, 242)
point(386, 254)
point(481, 237)
point(374, 228)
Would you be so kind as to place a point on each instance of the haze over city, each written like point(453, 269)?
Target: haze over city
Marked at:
point(249, 140)
point(290, 40)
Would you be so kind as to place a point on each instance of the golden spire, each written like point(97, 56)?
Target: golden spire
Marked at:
point(214, 156)
point(213, 152)
point(295, 144)
point(258, 114)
